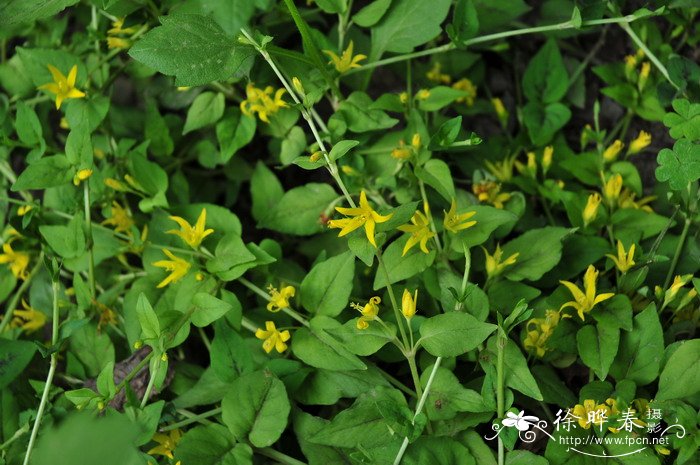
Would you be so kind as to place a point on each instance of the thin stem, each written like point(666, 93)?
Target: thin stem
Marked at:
point(279, 456)
point(429, 212)
point(419, 408)
point(18, 295)
point(662, 69)
point(151, 383)
point(266, 296)
point(411, 357)
point(11, 177)
point(397, 313)
point(192, 419)
point(52, 370)
point(501, 342)
point(677, 254)
point(88, 228)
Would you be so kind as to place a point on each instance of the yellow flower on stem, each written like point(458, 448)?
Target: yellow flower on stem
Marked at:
point(419, 231)
point(279, 299)
point(117, 28)
point(500, 110)
point(624, 260)
point(369, 312)
point(273, 338)
point(408, 303)
point(18, 261)
point(490, 192)
point(402, 152)
point(627, 200)
point(502, 170)
point(177, 267)
point(547, 158)
point(584, 301)
point(494, 265)
point(363, 215)
point(262, 102)
point(676, 285)
point(63, 87)
point(640, 143)
point(467, 86)
point(345, 62)
point(590, 212)
point(24, 209)
point(29, 319)
point(423, 94)
point(456, 222)
point(590, 413)
point(612, 188)
point(610, 154)
point(166, 443)
point(118, 43)
point(81, 176)
point(119, 218)
point(436, 76)
point(192, 235)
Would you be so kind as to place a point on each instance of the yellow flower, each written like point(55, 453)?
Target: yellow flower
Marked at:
point(116, 185)
point(490, 192)
point(590, 413)
point(535, 342)
point(279, 300)
point(547, 158)
point(436, 76)
point(610, 154)
point(166, 443)
point(24, 209)
point(363, 215)
point(346, 61)
point(678, 283)
point(640, 143)
point(18, 261)
point(644, 74)
point(350, 171)
point(118, 29)
point(177, 267)
point(63, 124)
point(81, 176)
point(107, 316)
point(273, 338)
point(591, 210)
point(416, 141)
point(298, 87)
point(118, 43)
point(630, 63)
point(584, 302)
point(539, 330)
point(500, 110)
point(530, 169)
point(29, 319)
point(262, 102)
point(612, 188)
point(624, 260)
point(119, 218)
point(408, 303)
point(494, 265)
point(402, 152)
point(626, 200)
point(63, 87)
point(193, 236)
point(502, 170)
point(419, 230)
point(403, 97)
point(369, 312)
point(467, 86)
point(455, 222)
point(423, 94)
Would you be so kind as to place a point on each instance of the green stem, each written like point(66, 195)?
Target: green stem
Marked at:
point(88, 229)
point(52, 370)
point(397, 313)
point(500, 388)
point(411, 357)
point(151, 383)
point(490, 37)
point(419, 408)
point(266, 296)
point(192, 419)
point(18, 295)
point(677, 254)
point(662, 69)
point(279, 456)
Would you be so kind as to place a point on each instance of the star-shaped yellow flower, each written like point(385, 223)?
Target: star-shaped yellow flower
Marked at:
point(262, 102)
point(624, 260)
point(585, 301)
point(363, 215)
point(193, 236)
point(346, 61)
point(369, 312)
point(29, 319)
point(494, 265)
point(409, 303)
point(177, 266)
point(455, 222)
point(279, 300)
point(63, 87)
point(166, 443)
point(419, 230)
point(18, 261)
point(119, 218)
point(273, 338)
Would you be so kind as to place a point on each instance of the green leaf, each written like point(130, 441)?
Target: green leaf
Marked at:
point(367, 341)
point(192, 48)
point(326, 289)
point(79, 149)
point(493, 15)
point(233, 132)
point(685, 122)
point(436, 174)
point(230, 356)
point(518, 375)
point(67, 241)
point(371, 14)
point(679, 166)
point(150, 326)
point(45, 172)
point(299, 210)
point(446, 134)
point(28, 125)
point(206, 109)
point(408, 24)
point(641, 350)
point(465, 22)
point(14, 357)
point(208, 309)
point(341, 148)
point(452, 334)
point(440, 97)
point(488, 219)
point(543, 122)
point(157, 132)
point(681, 375)
point(400, 267)
point(332, 6)
point(357, 114)
point(23, 11)
point(545, 79)
point(539, 251)
point(231, 255)
point(256, 408)
point(447, 396)
point(265, 190)
point(316, 347)
point(597, 346)
point(212, 445)
point(437, 451)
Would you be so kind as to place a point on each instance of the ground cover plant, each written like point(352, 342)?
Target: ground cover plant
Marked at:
point(349, 232)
